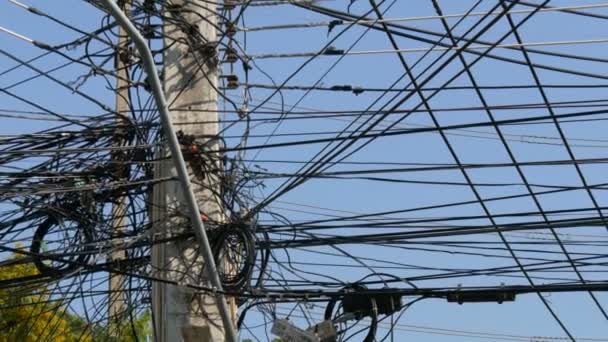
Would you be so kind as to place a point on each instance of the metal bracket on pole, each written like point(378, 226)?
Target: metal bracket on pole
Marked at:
point(178, 160)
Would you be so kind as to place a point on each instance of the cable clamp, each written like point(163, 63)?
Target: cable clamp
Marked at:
point(332, 51)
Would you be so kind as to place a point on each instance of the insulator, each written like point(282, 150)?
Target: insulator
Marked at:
point(230, 29)
point(229, 5)
point(231, 56)
point(233, 82)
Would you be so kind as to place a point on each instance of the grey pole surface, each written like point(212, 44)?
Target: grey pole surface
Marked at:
point(180, 164)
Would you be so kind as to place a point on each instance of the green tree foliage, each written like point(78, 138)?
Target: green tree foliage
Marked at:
point(29, 314)
point(139, 329)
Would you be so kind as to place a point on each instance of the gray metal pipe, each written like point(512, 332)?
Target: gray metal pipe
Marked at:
point(178, 160)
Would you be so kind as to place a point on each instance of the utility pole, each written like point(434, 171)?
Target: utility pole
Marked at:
point(117, 302)
point(190, 81)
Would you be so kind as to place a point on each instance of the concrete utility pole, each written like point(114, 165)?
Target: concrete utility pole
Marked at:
point(117, 303)
point(190, 79)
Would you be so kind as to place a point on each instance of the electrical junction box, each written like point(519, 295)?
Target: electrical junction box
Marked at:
point(360, 304)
